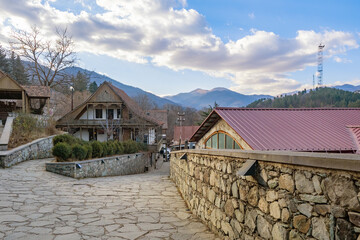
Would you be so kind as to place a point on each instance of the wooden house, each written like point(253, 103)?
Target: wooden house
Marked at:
point(16, 97)
point(110, 113)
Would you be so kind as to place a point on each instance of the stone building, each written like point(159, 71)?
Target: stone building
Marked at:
point(330, 130)
point(110, 113)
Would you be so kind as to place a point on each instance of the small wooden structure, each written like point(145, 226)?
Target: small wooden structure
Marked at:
point(14, 96)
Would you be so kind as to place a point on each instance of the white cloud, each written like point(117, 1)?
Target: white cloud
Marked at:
point(251, 15)
point(166, 34)
point(341, 60)
point(354, 82)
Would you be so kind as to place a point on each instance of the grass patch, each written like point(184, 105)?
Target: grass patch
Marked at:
point(27, 128)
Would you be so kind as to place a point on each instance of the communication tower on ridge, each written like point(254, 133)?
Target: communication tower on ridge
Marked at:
point(320, 65)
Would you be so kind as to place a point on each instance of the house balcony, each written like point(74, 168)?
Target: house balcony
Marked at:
point(88, 123)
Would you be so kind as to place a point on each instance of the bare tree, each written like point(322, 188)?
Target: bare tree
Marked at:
point(48, 59)
point(109, 126)
point(144, 102)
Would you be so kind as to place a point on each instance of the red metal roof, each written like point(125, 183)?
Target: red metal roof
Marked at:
point(293, 129)
point(186, 132)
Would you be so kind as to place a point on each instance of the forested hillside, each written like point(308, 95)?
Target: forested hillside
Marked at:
point(319, 97)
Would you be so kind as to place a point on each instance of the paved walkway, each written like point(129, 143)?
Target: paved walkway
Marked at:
point(35, 204)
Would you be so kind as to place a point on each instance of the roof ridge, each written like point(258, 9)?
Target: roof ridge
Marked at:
point(282, 109)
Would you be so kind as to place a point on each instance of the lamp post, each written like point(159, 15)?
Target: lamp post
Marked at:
point(72, 97)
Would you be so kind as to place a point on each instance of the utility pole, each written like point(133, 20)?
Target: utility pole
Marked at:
point(180, 119)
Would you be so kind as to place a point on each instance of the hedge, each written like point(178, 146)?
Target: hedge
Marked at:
point(69, 148)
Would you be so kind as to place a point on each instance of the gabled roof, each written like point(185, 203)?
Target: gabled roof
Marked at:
point(160, 115)
point(4, 76)
point(37, 91)
point(305, 129)
point(186, 132)
point(133, 107)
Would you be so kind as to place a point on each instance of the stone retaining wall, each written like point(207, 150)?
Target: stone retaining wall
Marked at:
point(101, 167)
point(282, 200)
point(38, 149)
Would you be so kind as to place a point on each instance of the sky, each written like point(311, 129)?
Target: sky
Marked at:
point(172, 46)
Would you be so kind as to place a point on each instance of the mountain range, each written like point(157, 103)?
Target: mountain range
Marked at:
point(198, 98)
point(348, 87)
point(130, 90)
point(224, 97)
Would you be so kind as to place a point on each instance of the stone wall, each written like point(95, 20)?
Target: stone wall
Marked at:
point(38, 149)
point(101, 167)
point(290, 196)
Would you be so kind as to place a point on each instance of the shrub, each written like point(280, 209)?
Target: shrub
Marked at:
point(50, 128)
point(130, 147)
point(105, 149)
point(110, 148)
point(89, 150)
point(65, 138)
point(97, 149)
point(62, 151)
point(79, 151)
point(25, 123)
point(119, 148)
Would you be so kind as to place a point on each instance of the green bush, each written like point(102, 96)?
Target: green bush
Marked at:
point(79, 151)
point(105, 149)
point(89, 150)
point(130, 147)
point(97, 149)
point(62, 151)
point(119, 148)
point(111, 148)
point(66, 146)
point(65, 138)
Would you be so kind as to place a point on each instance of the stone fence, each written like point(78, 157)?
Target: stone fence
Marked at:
point(101, 167)
point(37, 149)
point(288, 195)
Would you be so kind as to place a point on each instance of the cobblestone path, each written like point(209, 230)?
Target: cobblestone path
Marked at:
point(35, 204)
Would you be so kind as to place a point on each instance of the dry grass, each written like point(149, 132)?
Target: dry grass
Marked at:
point(25, 130)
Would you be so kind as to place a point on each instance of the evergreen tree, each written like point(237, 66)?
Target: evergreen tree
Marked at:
point(4, 62)
point(93, 86)
point(205, 112)
point(320, 97)
point(19, 72)
point(12, 65)
point(80, 82)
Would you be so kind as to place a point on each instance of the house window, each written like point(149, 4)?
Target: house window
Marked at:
point(98, 113)
point(221, 140)
point(130, 115)
point(118, 113)
point(110, 114)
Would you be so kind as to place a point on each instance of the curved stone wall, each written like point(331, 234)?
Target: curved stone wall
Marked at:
point(290, 196)
point(102, 167)
point(37, 149)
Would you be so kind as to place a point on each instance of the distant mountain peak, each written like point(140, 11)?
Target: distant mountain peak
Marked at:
point(219, 89)
point(200, 98)
point(200, 91)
